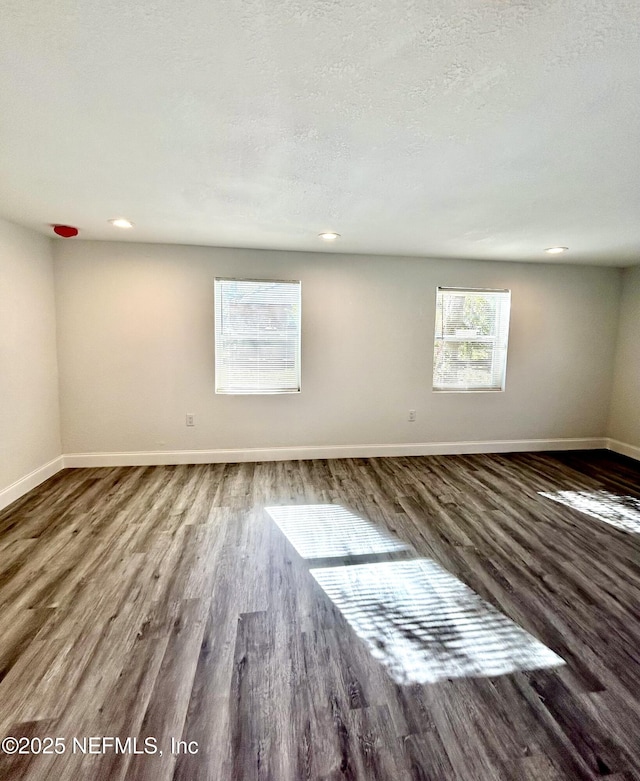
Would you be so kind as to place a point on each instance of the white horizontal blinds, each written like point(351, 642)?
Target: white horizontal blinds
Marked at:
point(257, 336)
point(472, 329)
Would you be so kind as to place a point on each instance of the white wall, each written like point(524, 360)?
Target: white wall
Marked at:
point(136, 340)
point(624, 423)
point(29, 409)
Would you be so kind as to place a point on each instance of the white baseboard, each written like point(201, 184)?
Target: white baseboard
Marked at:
point(626, 450)
point(144, 458)
point(151, 458)
point(30, 481)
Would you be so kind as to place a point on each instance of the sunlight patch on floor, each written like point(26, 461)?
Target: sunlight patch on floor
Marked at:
point(425, 625)
point(320, 531)
point(623, 512)
point(422, 623)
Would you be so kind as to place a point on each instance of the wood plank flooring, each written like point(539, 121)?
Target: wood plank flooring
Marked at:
point(165, 602)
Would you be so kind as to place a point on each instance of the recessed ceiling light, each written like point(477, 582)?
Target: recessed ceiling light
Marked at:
point(120, 222)
point(329, 236)
point(556, 250)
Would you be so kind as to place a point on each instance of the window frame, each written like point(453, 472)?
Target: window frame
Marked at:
point(298, 355)
point(503, 378)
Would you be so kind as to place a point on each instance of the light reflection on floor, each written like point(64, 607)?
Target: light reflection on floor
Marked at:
point(423, 624)
point(322, 531)
point(623, 512)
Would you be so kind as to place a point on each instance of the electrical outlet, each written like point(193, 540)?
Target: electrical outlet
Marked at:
point(190, 419)
point(412, 416)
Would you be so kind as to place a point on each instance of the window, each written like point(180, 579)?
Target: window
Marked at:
point(472, 327)
point(257, 336)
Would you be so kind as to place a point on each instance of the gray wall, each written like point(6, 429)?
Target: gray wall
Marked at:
point(624, 423)
point(29, 409)
point(136, 338)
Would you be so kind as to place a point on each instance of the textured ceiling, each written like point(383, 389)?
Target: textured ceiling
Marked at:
point(451, 128)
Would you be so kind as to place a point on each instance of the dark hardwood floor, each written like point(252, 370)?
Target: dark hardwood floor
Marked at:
point(462, 617)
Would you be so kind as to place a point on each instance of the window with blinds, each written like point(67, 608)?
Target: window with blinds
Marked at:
point(472, 329)
point(257, 336)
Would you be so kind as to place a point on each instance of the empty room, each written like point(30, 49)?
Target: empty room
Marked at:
point(320, 390)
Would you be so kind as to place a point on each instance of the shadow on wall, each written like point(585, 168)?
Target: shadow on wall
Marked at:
point(423, 624)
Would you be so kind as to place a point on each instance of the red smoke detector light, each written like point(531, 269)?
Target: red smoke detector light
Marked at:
point(66, 231)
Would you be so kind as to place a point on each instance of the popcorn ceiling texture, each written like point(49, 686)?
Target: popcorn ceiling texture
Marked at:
point(449, 129)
